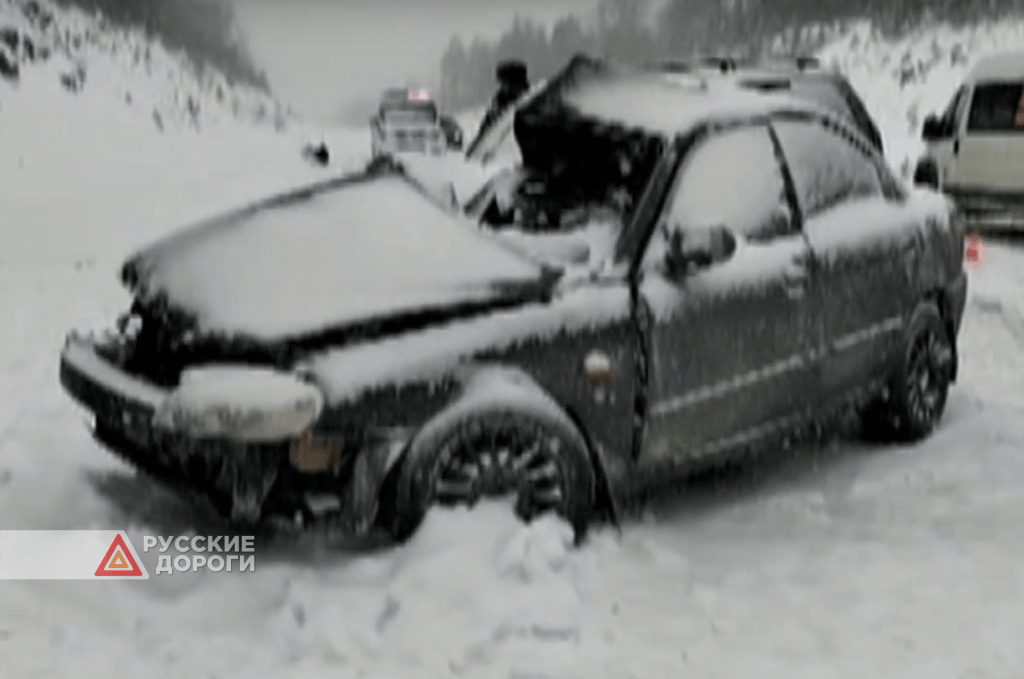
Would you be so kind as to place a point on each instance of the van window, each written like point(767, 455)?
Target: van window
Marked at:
point(997, 107)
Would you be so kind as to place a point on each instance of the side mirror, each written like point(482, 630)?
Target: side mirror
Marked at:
point(693, 249)
point(933, 129)
point(453, 132)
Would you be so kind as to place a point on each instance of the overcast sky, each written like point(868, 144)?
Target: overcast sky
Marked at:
point(320, 53)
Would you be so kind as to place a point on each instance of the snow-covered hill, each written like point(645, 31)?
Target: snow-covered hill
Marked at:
point(849, 562)
point(84, 52)
point(103, 132)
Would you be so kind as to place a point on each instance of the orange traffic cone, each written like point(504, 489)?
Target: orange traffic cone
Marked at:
point(973, 252)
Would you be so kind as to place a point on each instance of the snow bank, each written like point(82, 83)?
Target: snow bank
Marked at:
point(95, 164)
point(83, 52)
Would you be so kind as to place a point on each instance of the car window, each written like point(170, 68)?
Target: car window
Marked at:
point(997, 107)
point(827, 166)
point(733, 179)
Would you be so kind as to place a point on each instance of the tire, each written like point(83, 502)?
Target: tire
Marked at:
point(919, 386)
point(926, 174)
point(547, 468)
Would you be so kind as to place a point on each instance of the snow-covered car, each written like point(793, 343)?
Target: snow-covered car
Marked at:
point(801, 76)
point(975, 147)
point(358, 351)
point(408, 121)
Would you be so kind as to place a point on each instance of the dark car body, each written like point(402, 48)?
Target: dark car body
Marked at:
point(802, 76)
point(804, 318)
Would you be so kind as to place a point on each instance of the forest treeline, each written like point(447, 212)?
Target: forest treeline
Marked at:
point(639, 31)
point(206, 30)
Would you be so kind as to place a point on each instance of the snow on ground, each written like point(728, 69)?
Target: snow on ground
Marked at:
point(850, 561)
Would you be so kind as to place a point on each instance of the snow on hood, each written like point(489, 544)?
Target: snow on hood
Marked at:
point(367, 249)
point(452, 176)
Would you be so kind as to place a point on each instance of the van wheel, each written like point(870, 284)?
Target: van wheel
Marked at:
point(919, 386)
point(536, 459)
point(926, 174)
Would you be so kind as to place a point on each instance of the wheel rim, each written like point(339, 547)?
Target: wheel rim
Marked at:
point(928, 376)
point(493, 464)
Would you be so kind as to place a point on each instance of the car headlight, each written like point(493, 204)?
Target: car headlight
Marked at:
point(241, 403)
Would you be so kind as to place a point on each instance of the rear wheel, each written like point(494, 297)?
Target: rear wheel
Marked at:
point(919, 386)
point(927, 174)
point(539, 461)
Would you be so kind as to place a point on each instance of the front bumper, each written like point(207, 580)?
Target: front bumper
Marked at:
point(956, 294)
point(246, 482)
point(989, 212)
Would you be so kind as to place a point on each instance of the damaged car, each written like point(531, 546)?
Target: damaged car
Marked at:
point(732, 266)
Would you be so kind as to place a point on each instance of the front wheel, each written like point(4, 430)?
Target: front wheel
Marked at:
point(539, 460)
point(919, 386)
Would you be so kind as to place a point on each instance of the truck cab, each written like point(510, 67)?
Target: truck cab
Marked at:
point(407, 121)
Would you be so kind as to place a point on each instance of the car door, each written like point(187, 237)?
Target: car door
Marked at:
point(865, 243)
point(730, 344)
point(988, 152)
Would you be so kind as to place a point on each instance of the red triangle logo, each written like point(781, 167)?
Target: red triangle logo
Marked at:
point(118, 561)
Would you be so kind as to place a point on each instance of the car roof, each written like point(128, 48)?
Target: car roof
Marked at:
point(731, 66)
point(657, 103)
point(1001, 66)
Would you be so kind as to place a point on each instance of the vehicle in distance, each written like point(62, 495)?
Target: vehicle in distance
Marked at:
point(409, 121)
point(801, 75)
point(974, 149)
point(357, 352)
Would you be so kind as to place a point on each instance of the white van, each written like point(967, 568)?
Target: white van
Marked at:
point(975, 148)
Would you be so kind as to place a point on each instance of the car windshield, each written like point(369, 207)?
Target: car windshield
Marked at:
point(565, 212)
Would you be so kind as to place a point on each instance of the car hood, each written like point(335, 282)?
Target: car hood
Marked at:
point(452, 177)
point(347, 252)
